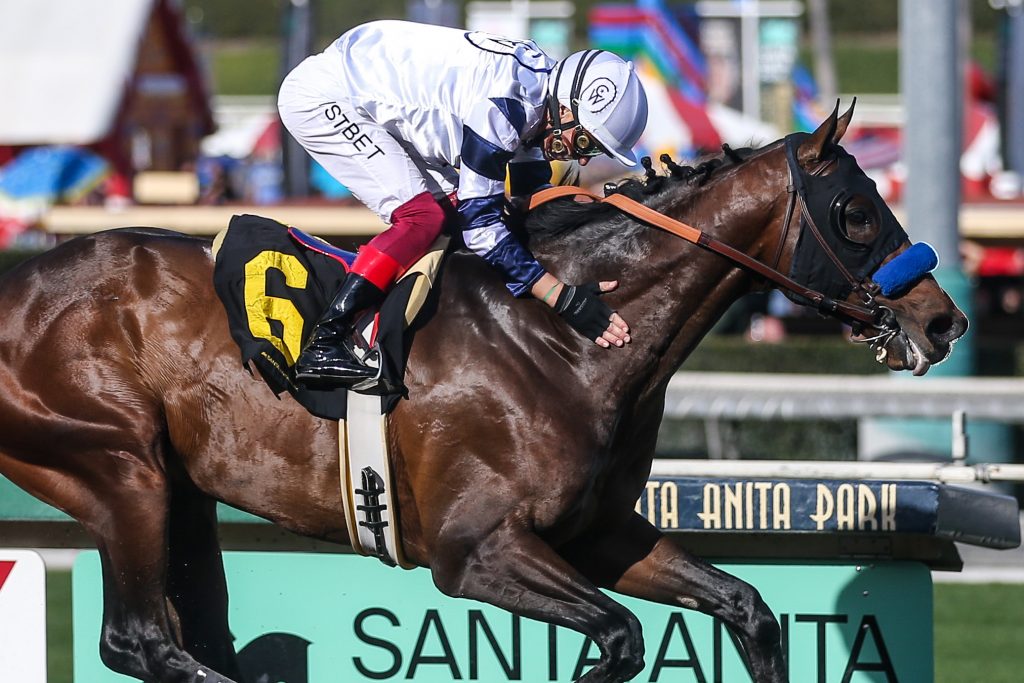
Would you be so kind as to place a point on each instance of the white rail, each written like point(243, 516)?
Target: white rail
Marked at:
point(791, 396)
point(946, 473)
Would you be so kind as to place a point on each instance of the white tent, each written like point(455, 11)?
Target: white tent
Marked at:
point(64, 66)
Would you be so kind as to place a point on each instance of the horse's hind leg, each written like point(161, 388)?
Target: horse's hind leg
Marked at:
point(196, 584)
point(638, 560)
point(516, 570)
point(138, 637)
point(122, 501)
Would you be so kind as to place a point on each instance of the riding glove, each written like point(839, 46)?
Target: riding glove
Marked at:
point(580, 306)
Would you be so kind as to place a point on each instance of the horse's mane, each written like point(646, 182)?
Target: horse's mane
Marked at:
point(563, 216)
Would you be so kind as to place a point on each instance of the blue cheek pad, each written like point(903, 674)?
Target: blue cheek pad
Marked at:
point(898, 275)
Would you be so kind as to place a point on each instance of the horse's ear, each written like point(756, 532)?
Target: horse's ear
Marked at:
point(843, 122)
point(812, 150)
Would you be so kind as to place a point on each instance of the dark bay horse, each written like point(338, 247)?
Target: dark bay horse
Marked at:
point(519, 455)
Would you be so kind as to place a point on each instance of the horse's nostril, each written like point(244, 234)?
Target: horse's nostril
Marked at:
point(946, 328)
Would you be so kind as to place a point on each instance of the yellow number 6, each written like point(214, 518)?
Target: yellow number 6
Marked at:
point(260, 308)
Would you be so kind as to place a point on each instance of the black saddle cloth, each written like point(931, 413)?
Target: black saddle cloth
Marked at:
point(274, 288)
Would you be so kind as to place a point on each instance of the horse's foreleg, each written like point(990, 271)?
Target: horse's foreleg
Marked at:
point(512, 568)
point(196, 585)
point(640, 561)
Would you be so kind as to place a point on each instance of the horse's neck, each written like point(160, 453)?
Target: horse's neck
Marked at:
point(671, 292)
point(676, 291)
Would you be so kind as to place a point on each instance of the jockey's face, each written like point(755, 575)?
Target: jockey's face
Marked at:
point(574, 142)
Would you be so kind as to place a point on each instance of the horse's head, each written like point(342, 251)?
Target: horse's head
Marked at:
point(799, 213)
point(850, 247)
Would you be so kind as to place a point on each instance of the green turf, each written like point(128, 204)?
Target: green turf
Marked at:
point(867, 70)
point(978, 636)
point(58, 626)
point(978, 633)
point(867, 66)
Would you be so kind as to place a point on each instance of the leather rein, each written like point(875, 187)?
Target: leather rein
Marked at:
point(869, 314)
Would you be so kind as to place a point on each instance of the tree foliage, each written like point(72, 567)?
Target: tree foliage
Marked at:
point(263, 19)
point(874, 17)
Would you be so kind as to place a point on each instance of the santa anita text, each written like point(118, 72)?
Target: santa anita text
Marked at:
point(346, 618)
point(676, 652)
point(776, 506)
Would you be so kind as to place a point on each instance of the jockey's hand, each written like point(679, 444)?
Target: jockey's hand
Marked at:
point(580, 306)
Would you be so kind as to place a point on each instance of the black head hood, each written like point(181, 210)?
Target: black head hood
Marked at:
point(825, 196)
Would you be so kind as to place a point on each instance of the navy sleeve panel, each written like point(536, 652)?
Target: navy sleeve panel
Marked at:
point(481, 212)
point(528, 177)
point(482, 156)
point(513, 111)
point(516, 263)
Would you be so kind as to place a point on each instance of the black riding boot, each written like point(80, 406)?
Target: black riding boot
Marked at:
point(328, 357)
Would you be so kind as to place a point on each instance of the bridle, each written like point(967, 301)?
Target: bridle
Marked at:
point(883, 318)
point(868, 313)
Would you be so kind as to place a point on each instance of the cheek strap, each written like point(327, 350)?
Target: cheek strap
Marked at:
point(898, 275)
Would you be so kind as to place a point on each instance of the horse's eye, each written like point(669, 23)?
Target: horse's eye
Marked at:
point(860, 221)
point(857, 217)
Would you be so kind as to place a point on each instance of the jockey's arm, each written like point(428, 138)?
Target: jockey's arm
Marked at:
point(487, 149)
point(486, 235)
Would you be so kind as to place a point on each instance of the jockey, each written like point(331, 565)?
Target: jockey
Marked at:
point(391, 109)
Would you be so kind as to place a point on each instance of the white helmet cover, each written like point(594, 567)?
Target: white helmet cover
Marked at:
point(605, 96)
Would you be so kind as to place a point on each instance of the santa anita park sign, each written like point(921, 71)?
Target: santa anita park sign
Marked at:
point(318, 618)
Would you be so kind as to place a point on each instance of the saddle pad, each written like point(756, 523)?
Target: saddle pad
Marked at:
point(275, 288)
point(322, 247)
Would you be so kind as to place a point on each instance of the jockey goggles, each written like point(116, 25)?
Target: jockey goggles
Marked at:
point(581, 144)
